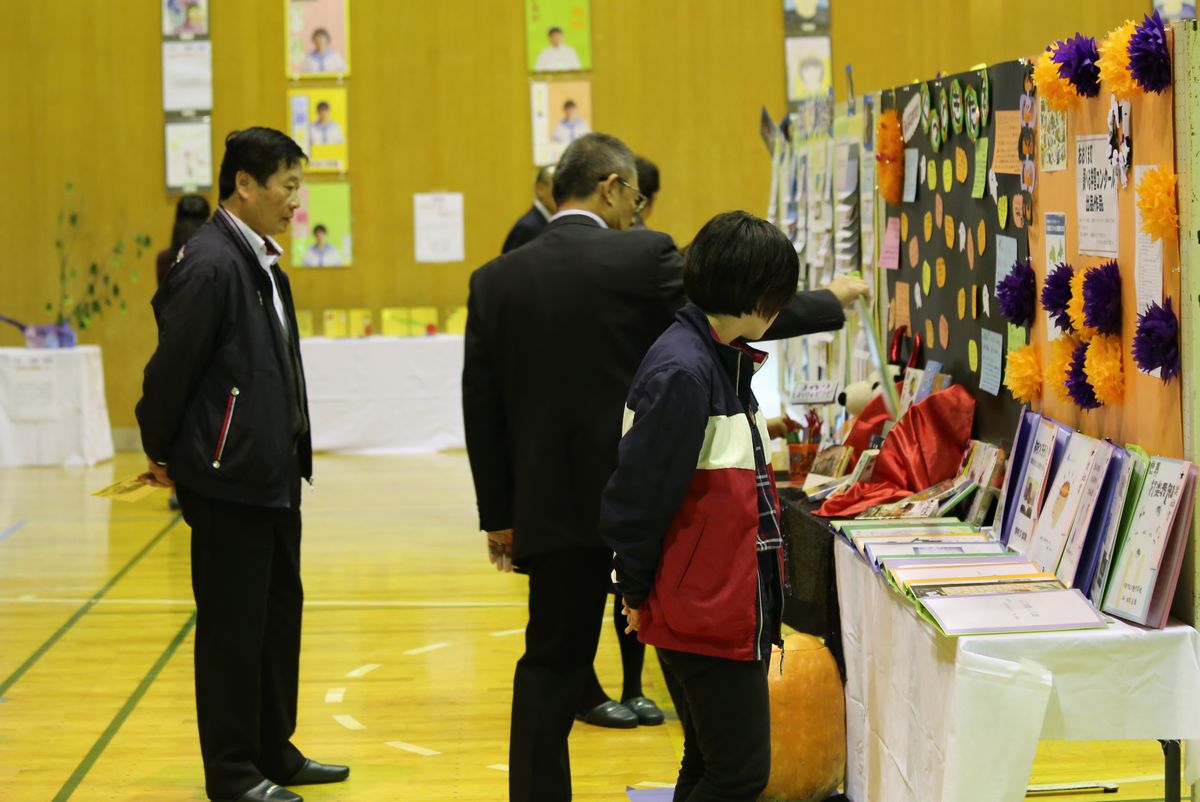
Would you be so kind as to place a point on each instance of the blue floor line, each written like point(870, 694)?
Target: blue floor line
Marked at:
point(12, 530)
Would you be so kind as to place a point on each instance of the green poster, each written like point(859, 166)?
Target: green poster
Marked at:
point(558, 35)
point(321, 235)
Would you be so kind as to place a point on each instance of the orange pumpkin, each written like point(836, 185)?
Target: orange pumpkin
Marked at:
point(808, 722)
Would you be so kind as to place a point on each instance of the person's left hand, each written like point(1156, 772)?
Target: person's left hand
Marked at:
point(156, 476)
point(633, 616)
point(500, 549)
point(779, 427)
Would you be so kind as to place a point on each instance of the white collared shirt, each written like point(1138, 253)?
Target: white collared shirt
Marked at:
point(537, 204)
point(583, 212)
point(266, 260)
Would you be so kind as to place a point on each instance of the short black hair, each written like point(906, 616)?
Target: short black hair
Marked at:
point(259, 151)
point(570, 104)
point(320, 227)
point(647, 176)
point(586, 162)
point(321, 32)
point(740, 264)
point(554, 30)
point(323, 105)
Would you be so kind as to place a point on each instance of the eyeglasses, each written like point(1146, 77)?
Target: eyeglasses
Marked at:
point(640, 201)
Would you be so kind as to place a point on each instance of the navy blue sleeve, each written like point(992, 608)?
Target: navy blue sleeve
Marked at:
point(656, 463)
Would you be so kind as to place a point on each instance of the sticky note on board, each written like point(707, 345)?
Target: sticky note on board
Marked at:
point(912, 157)
point(901, 294)
point(1007, 158)
point(889, 250)
point(1016, 337)
point(1006, 255)
point(1002, 210)
point(981, 157)
point(991, 360)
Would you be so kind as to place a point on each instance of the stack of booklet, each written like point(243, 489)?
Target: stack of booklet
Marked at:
point(1082, 525)
point(964, 582)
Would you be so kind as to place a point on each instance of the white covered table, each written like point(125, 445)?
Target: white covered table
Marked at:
point(385, 395)
point(52, 407)
point(935, 719)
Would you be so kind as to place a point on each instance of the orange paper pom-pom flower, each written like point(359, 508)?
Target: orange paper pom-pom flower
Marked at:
point(1114, 61)
point(1062, 350)
point(1103, 368)
point(889, 152)
point(1156, 201)
point(1024, 377)
point(1075, 307)
point(1057, 91)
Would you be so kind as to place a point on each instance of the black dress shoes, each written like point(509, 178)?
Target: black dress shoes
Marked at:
point(646, 711)
point(266, 791)
point(314, 773)
point(610, 714)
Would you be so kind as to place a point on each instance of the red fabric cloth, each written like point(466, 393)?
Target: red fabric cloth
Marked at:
point(924, 448)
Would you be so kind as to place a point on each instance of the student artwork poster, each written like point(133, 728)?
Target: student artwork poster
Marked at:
point(320, 124)
point(561, 113)
point(318, 38)
point(185, 18)
point(321, 228)
point(809, 64)
point(558, 35)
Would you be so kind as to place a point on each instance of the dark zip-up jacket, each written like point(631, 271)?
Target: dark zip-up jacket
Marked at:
point(681, 512)
point(223, 397)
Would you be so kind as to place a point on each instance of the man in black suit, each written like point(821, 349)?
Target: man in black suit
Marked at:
point(224, 419)
point(555, 332)
point(530, 224)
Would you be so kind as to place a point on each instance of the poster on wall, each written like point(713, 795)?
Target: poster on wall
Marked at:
point(184, 18)
point(561, 113)
point(1175, 10)
point(558, 35)
point(318, 38)
point(808, 66)
point(321, 228)
point(1096, 196)
point(320, 124)
point(438, 227)
point(187, 75)
point(189, 154)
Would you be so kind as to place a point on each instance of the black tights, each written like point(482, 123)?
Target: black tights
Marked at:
point(633, 656)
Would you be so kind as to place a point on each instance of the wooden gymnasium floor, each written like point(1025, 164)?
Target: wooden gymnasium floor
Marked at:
point(409, 643)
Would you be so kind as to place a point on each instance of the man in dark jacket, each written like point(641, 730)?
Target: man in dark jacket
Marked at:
point(555, 332)
point(224, 419)
point(530, 224)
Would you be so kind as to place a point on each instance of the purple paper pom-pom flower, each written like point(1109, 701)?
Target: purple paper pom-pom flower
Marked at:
point(1076, 59)
point(1102, 298)
point(1017, 294)
point(1156, 342)
point(1149, 59)
point(1056, 294)
point(1078, 388)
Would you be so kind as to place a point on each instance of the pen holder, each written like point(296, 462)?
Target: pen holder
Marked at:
point(800, 460)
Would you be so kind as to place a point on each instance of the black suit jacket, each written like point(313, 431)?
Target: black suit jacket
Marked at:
point(555, 332)
point(528, 226)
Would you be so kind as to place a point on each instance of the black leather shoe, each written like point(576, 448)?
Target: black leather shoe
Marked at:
point(266, 791)
point(610, 714)
point(314, 773)
point(646, 711)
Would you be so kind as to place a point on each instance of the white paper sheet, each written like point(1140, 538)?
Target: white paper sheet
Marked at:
point(1148, 264)
point(1096, 197)
point(438, 226)
point(189, 154)
point(187, 75)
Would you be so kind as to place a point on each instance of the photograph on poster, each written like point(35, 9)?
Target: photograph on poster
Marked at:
point(185, 18)
point(187, 75)
point(318, 41)
point(806, 18)
point(189, 154)
point(808, 66)
point(561, 113)
point(321, 234)
point(558, 35)
point(319, 123)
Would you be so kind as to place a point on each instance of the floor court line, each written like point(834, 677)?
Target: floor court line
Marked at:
point(349, 722)
point(86, 605)
point(506, 632)
point(363, 670)
point(433, 647)
point(5, 534)
point(416, 750)
point(335, 696)
point(114, 726)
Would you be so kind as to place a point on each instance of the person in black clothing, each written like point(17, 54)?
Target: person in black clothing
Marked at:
point(530, 224)
point(224, 420)
point(191, 212)
point(583, 302)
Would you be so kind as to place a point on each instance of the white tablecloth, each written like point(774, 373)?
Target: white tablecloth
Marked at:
point(52, 407)
point(385, 395)
point(935, 719)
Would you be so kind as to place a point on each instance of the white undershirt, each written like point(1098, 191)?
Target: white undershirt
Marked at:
point(265, 260)
point(583, 212)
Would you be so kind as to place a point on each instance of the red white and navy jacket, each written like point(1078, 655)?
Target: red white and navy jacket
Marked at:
point(681, 512)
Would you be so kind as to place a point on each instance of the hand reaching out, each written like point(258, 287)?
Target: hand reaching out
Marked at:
point(500, 549)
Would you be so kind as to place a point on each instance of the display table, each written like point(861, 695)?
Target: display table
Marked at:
point(385, 395)
point(935, 719)
point(52, 407)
